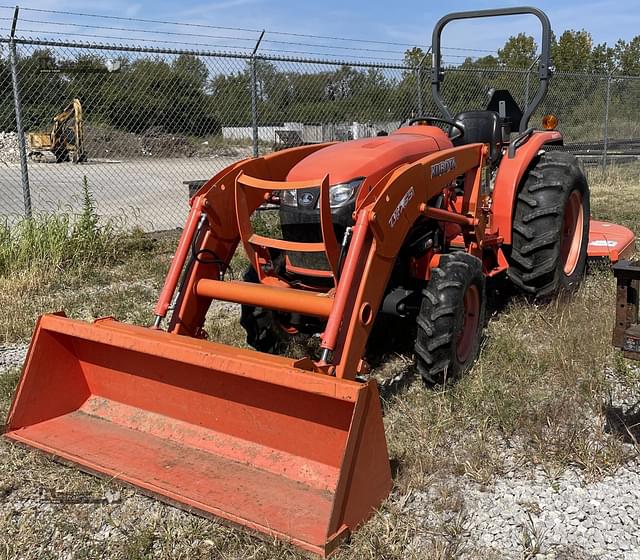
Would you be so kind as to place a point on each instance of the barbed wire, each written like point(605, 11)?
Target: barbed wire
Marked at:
point(198, 47)
point(245, 52)
point(198, 35)
point(134, 30)
point(232, 29)
point(126, 48)
point(157, 41)
point(209, 26)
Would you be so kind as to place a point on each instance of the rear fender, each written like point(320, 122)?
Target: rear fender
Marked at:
point(510, 174)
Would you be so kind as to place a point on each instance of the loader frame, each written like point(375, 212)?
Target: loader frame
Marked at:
point(382, 221)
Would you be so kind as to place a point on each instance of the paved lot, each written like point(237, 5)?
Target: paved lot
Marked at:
point(148, 193)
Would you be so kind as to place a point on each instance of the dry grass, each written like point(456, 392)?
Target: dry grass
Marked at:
point(535, 398)
point(125, 287)
point(537, 391)
point(614, 194)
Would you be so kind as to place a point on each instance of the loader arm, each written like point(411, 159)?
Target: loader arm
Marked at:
point(383, 222)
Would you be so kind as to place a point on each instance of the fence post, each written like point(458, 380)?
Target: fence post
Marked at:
point(607, 102)
point(528, 80)
point(254, 95)
point(22, 147)
point(419, 82)
point(419, 86)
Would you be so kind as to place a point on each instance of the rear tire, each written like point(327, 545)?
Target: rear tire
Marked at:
point(451, 318)
point(550, 227)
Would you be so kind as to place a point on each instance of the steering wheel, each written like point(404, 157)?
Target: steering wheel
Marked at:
point(429, 120)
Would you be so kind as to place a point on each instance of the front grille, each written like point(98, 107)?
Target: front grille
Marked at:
point(308, 233)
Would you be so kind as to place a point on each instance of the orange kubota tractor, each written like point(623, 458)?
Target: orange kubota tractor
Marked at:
point(410, 224)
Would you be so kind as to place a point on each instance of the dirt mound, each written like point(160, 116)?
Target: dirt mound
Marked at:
point(103, 142)
point(157, 143)
point(107, 142)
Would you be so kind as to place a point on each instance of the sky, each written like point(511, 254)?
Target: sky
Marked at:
point(405, 21)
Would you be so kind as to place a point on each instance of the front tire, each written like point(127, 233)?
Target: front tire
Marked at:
point(550, 227)
point(451, 319)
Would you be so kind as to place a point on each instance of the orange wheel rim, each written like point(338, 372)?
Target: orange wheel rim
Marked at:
point(467, 336)
point(572, 227)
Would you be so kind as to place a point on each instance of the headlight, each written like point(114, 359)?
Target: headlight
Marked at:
point(339, 195)
point(289, 198)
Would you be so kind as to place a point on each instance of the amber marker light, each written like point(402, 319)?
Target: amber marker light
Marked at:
point(549, 122)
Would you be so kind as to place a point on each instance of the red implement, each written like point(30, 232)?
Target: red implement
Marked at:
point(610, 241)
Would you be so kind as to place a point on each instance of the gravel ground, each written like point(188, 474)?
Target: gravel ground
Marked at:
point(529, 513)
point(535, 516)
point(565, 517)
point(526, 513)
point(12, 356)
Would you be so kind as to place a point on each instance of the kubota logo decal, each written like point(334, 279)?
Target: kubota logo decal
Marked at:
point(306, 199)
point(442, 167)
point(401, 206)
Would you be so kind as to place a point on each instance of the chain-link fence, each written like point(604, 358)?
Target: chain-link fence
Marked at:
point(155, 119)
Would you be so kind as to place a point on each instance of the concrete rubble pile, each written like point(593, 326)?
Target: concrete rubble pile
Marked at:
point(9, 152)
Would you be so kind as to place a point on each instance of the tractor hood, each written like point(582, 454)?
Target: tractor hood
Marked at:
point(370, 157)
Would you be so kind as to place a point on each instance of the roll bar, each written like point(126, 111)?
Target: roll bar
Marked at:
point(544, 65)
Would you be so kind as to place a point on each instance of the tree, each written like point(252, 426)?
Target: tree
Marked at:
point(231, 96)
point(518, 52)
point(415, 57)
point(572, 52)
point(192, 69)
point(602, 59)
point(268, 80)
point(628, 56)
point(342, 82)
point(406, 92)
point(488, 61)
point(7, 115)
point(43, 89)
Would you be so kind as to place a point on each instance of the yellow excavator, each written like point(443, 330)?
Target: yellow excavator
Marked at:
point(66, 139)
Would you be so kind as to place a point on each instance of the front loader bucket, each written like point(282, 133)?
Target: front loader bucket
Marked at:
point(256, 439)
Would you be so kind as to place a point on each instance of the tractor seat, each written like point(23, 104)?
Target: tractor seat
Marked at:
point(481, 126)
